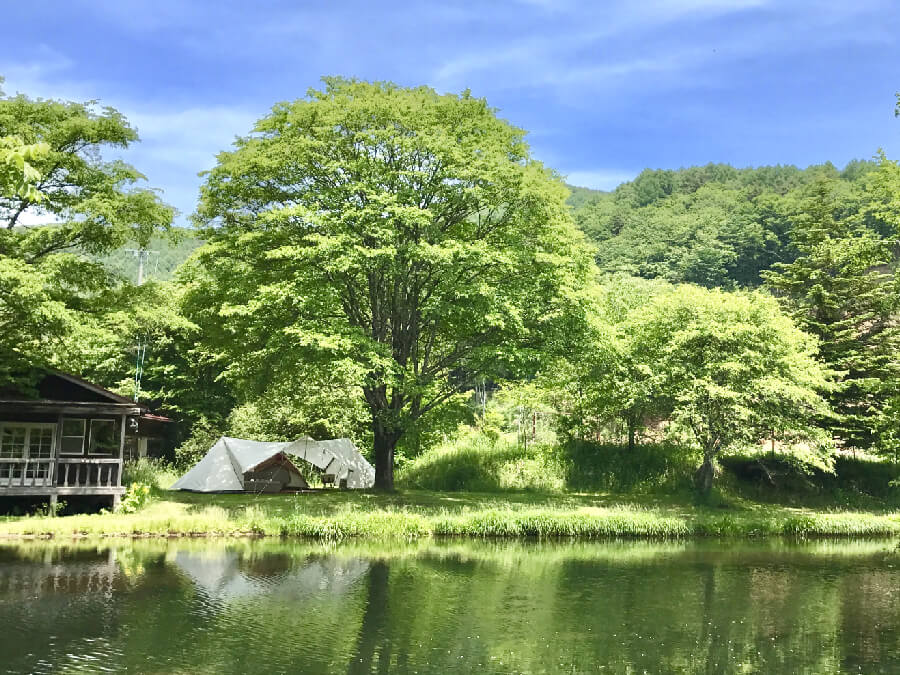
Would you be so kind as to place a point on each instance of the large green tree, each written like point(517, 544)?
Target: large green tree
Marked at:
point(735, 369)
point(60, 203)
point(725, 370)
point(406, 232)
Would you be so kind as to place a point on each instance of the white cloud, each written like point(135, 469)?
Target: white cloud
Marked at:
point(37, 76)
point(190, 136)
point(176, 142)
point(598, 179)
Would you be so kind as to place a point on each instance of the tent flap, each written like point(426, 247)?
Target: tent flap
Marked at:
point(339, 457)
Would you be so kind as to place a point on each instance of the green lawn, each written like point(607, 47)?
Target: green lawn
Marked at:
point(414, 514)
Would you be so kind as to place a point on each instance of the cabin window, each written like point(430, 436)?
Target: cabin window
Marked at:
point(104, 440)
point(26, 441)
point(12, 441)
point(40, 442)
point(73, 436)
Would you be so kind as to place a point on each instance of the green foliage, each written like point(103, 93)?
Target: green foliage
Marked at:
point(472, 462)
point(204, 433)
point(50, 510)
point(135, 499)
point(322, 403)
point(54, 300)
point(643, 469)
point(523, 408)
point(405, 235)
point(18, 176)
point(155, 472)
point(33, 322)
point(579, 196)
point(610, 389)
point(766, 477)
point(843, 289)
point(714, 225)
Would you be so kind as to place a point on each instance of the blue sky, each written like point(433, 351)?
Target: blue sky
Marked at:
point(604, 88)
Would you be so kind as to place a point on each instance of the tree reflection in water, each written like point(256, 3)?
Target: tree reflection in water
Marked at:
point(280, 606)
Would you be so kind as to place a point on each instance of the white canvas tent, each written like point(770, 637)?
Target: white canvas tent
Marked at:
point(239, 465)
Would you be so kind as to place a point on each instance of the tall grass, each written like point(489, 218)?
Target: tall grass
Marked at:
point(474, 463)
point(639, 470)
point(383, 522)
point(156, 473)
point(335, 515)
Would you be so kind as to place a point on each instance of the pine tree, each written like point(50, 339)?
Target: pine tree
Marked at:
point(842, 288)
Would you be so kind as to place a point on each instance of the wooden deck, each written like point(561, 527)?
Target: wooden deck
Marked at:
point(62, 476)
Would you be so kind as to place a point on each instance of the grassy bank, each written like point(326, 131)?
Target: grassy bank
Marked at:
point(471, 487)
point(409, 515)
point(472, 463)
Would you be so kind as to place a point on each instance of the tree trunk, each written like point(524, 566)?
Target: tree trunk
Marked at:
point(385, 441)
point(631, 434)
point(703, 478)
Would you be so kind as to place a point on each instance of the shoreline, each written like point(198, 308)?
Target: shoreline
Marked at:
point(427, 516)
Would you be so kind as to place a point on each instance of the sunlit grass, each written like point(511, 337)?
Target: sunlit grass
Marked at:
point(410, 515)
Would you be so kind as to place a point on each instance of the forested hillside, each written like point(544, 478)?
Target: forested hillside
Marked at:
point(582, 196)
point(166, 252)
point(713, 225)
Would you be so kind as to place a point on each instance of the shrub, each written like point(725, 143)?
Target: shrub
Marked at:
point(474, 462)
point(616, 468)
point(136, 498)
point(856, 481)
point(156, 473)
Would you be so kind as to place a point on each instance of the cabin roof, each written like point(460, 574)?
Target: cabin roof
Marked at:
point(58, 389)
point(91, 387)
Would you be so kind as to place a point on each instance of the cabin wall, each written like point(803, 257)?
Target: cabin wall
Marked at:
point(48, 453)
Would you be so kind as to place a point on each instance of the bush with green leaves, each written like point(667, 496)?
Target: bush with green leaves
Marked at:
point(152, 471)
point(136, 498)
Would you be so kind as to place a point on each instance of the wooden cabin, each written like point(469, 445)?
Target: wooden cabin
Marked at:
point(71, 439)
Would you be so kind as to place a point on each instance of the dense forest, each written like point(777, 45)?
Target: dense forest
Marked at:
point(718, 226)
point(408, 274)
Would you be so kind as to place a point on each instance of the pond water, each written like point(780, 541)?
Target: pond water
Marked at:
point(243, 606)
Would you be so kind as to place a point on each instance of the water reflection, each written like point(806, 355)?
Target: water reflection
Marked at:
point(228, 574)
point(270, 606)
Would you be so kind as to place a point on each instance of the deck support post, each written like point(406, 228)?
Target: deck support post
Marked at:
point(121, 454)
point(52, 509)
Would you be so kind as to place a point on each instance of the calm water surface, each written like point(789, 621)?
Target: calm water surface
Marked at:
point(260, 606)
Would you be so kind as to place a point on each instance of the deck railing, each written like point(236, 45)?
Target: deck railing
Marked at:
point(26, 472)
point(90, 472)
